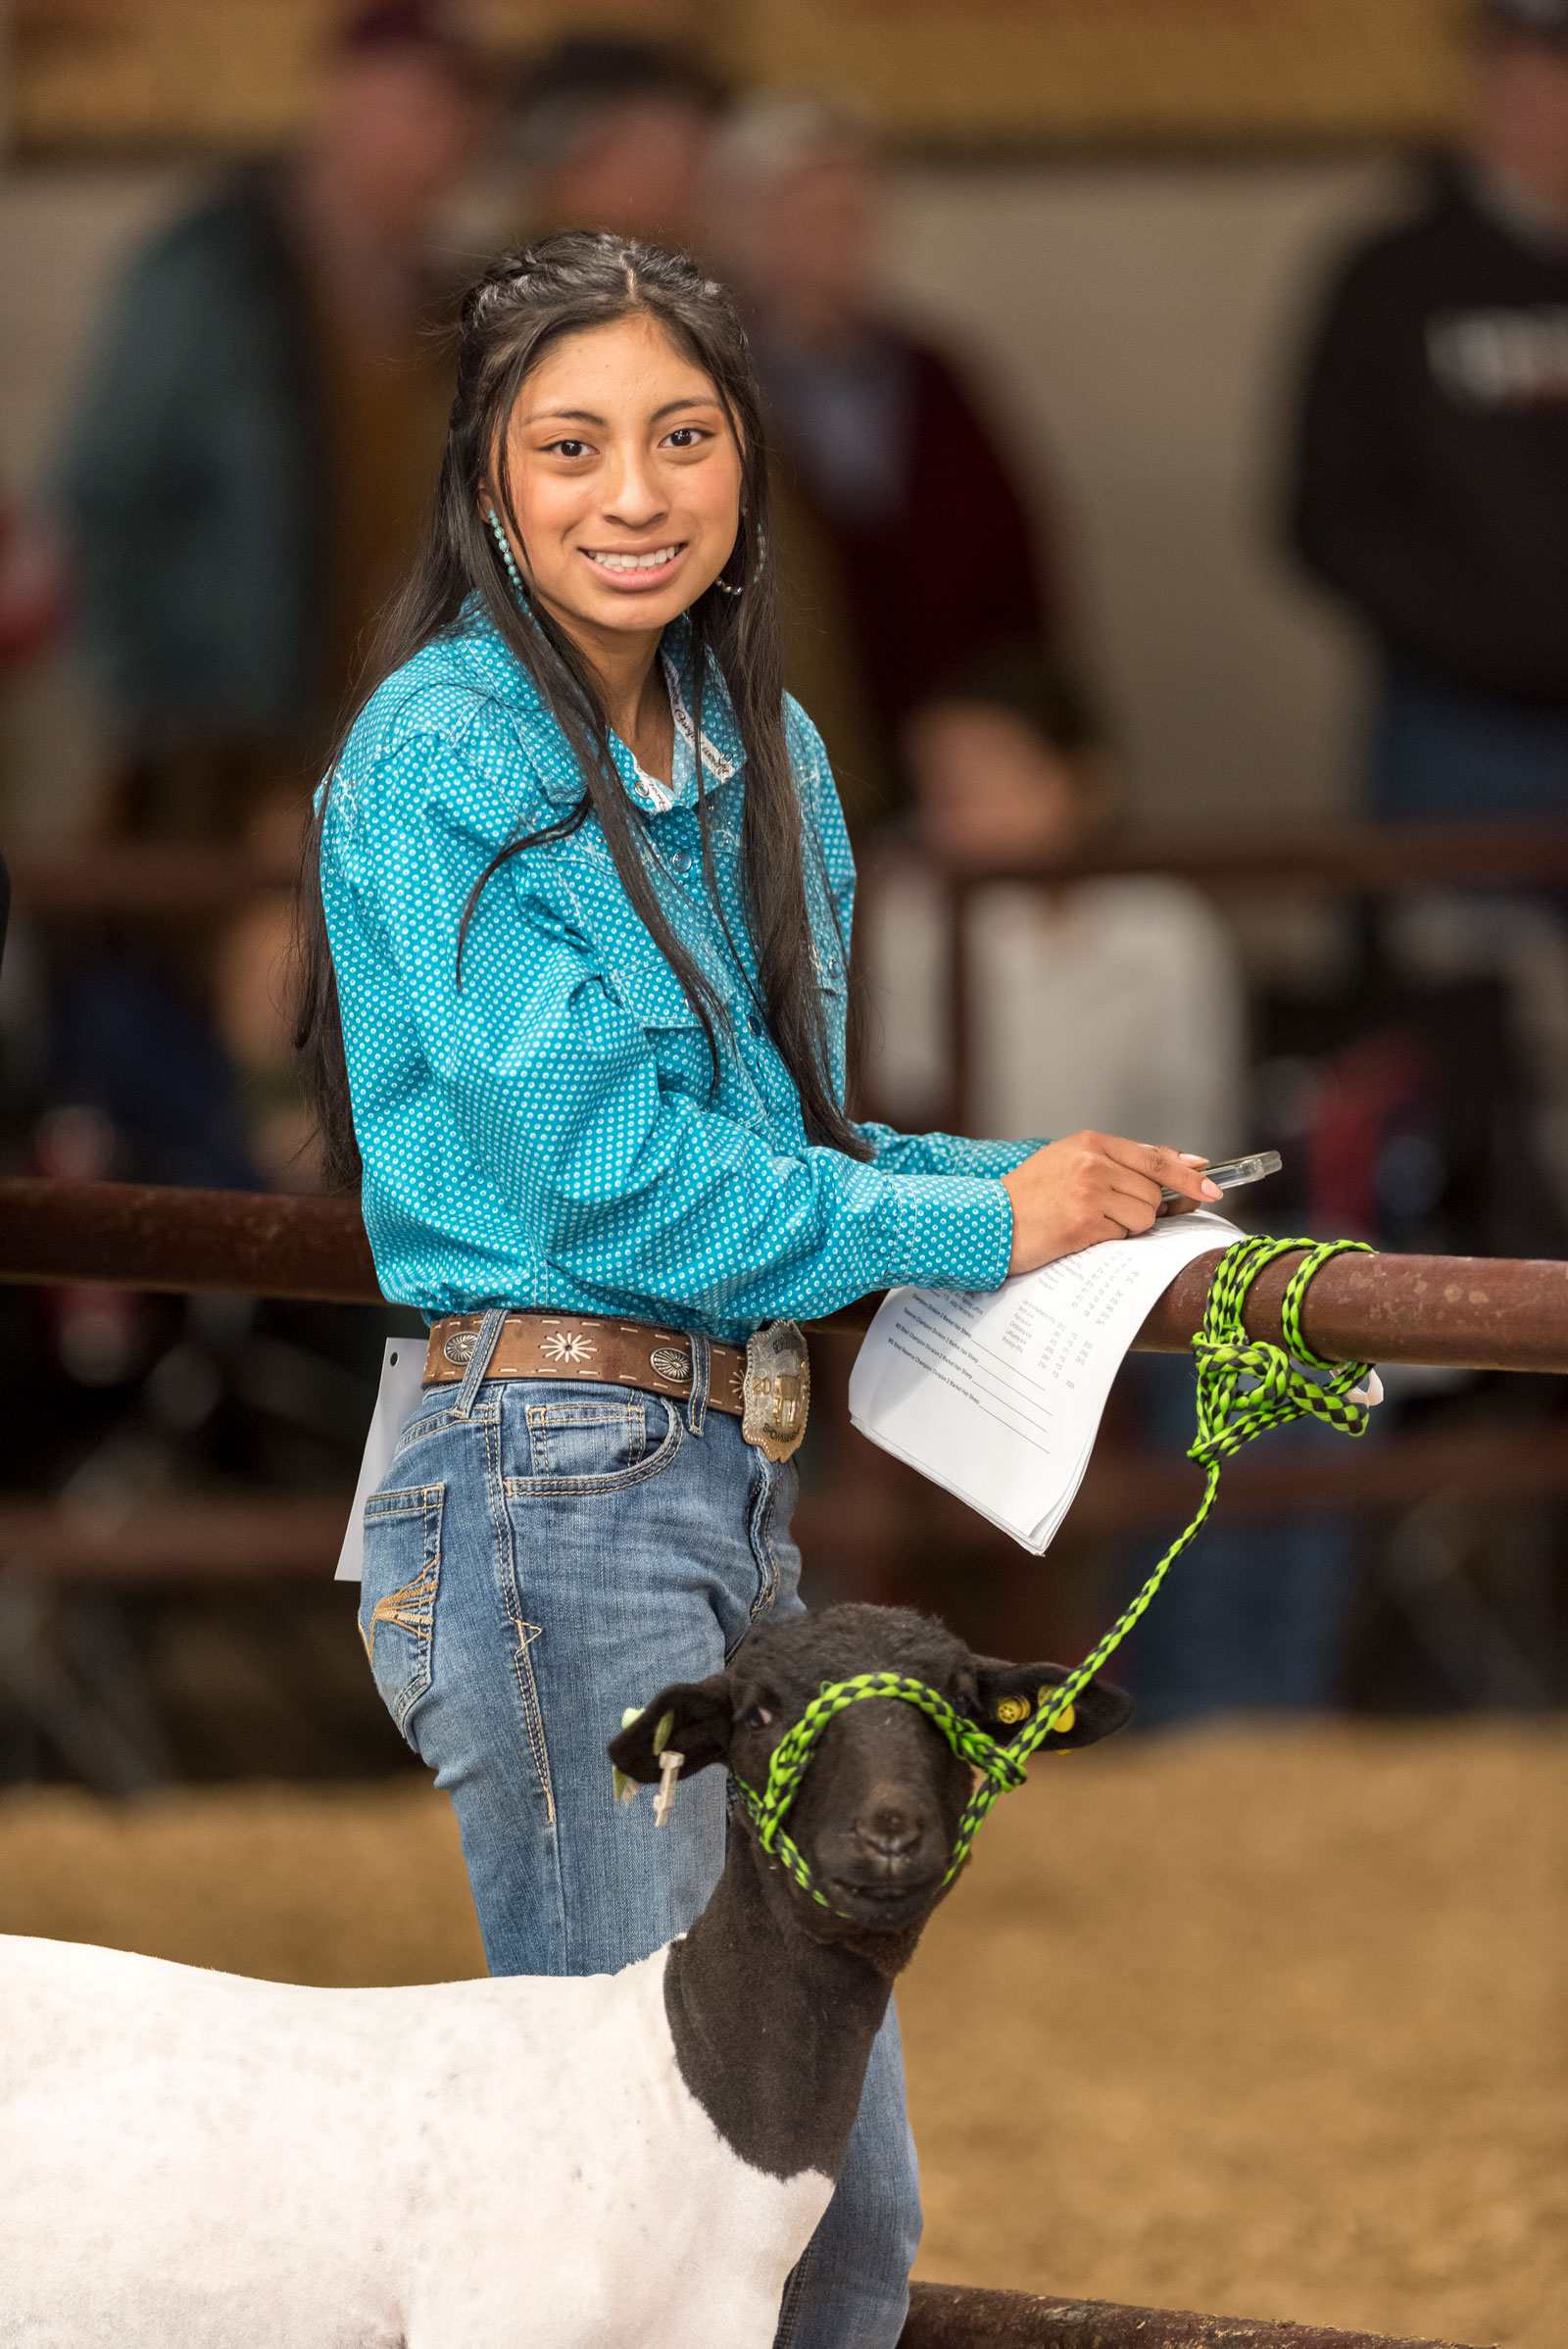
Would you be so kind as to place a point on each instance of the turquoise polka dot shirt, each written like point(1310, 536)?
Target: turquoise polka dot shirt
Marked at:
point(550, 1134)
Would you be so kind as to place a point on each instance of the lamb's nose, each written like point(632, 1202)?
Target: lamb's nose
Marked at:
point(888, 1832)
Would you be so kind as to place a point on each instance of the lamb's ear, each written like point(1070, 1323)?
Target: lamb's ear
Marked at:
point(1010, 1696)
point(699, 1714)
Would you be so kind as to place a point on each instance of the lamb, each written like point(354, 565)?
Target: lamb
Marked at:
point(190, 2160)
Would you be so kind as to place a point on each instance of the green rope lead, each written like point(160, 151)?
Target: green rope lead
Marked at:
point(1246, 1387)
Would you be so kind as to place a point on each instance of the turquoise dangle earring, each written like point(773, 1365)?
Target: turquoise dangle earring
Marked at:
point(505, 545)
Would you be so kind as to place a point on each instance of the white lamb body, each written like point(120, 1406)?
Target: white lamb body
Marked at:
point(195, 2161)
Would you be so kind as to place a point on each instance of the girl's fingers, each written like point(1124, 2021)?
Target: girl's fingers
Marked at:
point(1132, 1215)
point(1177, 1170)
point(1123, 1183)
point(1151, 1160)
point(1133, 1199)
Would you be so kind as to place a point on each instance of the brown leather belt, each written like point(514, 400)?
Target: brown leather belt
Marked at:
point(587, 1346)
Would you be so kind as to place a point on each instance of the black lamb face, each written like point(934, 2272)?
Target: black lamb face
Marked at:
point(876, 1813)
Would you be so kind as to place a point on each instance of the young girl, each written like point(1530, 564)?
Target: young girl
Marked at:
point(576, 1009)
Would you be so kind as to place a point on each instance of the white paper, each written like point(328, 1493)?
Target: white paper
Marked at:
point(402, 1369)
point(998, 1396)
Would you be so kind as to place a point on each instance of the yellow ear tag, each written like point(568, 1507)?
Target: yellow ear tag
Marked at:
point(665, 1732)
point(1063, 1721)
point(1013, 1708)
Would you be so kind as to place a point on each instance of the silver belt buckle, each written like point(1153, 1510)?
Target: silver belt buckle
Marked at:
point(777, 1390)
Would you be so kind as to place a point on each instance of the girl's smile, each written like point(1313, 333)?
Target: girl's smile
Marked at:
point(631, 570)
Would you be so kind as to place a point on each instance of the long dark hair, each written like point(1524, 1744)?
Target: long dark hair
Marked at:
point(519, 309)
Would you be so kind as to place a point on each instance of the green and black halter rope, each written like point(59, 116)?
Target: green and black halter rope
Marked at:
point(1246, 1386)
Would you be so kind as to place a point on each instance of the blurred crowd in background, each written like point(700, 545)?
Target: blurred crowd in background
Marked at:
point(239, 478)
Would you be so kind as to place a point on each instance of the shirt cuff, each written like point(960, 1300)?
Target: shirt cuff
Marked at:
point(956, 1232)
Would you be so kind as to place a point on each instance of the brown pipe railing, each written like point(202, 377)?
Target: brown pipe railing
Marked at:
point(1458, 1313)
point(182, 1541)
point(153, 1235)
point(174, 879)
point(204, 1541)
point(1361, 859)
point(944, 2315)
point(1469, 1312)
point(152, 880)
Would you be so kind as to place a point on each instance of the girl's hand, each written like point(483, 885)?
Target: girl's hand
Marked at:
point(1093, 1187)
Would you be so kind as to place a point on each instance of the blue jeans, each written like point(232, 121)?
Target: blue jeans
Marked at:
point(540, 1555)
point(1440, 752)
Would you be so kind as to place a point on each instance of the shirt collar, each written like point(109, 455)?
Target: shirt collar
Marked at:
point(723, 751)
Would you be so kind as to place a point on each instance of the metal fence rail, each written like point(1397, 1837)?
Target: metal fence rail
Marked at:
point(944, 2316)
point(154, 1236)
point(176, 880)
point(1470, 1313)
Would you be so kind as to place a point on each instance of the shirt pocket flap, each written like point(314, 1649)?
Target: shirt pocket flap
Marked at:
point(646, 987)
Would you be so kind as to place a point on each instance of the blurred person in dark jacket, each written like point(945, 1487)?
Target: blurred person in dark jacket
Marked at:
point(901, 474)
point(1431, 482)
point(615, 133)
point(249, 467)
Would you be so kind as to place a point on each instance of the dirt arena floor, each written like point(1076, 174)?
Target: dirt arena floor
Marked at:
point(1264, 2022)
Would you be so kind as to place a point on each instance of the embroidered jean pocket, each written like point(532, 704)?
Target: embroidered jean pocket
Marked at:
point(589, 1441)
point(397, 1599)
point(596, 1440)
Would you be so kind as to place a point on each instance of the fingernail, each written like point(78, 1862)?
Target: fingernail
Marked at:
point(1191, 1159)
point(1212, 1191)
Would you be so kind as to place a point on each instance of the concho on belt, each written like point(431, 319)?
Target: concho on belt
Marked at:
point(777, 1390)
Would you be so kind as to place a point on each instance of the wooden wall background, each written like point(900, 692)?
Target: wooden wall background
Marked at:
point(168, 76)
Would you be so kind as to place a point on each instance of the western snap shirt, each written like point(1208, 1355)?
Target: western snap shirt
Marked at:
point(549, 1133)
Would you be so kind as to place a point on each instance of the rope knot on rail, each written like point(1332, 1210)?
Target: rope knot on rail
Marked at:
point(1246, 1386)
